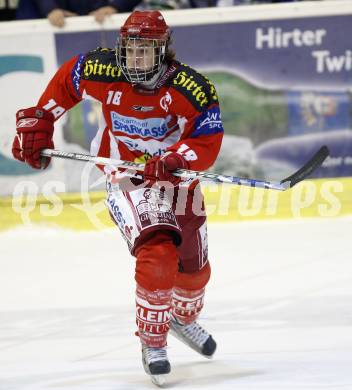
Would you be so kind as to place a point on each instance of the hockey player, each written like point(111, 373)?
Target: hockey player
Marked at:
point(166, 114)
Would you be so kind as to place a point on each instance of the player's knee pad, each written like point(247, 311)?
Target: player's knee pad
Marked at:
point(157, 262)
point(194, 280)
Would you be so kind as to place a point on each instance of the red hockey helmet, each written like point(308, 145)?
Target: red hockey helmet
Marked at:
point(142, 45)
point(146, 24)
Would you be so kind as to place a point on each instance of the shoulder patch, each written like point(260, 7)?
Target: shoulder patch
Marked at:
point(198, 89)
point(100, 65)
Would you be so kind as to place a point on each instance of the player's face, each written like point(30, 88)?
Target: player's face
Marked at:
point(140, 54)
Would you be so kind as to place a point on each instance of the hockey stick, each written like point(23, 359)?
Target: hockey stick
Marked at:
point(315, 162)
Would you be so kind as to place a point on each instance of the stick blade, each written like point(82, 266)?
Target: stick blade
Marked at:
point(315, 162)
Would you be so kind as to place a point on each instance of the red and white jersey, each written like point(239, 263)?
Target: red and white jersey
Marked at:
point(181, 114)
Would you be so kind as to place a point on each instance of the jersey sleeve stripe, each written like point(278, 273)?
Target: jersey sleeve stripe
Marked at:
point(76, 74)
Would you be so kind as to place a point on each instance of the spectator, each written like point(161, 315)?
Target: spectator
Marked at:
point(28, 9)
point(57, 10)
point(8, 9)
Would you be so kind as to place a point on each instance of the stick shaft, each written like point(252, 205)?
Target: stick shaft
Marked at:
point(283, 185)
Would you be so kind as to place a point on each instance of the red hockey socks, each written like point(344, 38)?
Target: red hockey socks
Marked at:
point(187, 304)
point(153, 311)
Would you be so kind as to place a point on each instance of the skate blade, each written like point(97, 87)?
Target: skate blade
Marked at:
point(158, 380)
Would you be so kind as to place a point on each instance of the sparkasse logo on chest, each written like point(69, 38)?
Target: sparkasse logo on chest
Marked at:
point(149, 127)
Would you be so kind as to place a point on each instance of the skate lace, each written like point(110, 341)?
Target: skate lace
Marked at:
point(154, 354)
point(195, 332)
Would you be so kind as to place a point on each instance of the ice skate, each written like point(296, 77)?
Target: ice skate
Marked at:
point(156, 364)
point(194, 336)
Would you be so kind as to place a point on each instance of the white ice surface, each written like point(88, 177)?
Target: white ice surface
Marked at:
point(279, 304)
